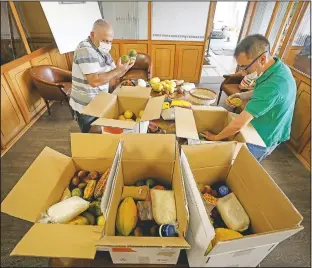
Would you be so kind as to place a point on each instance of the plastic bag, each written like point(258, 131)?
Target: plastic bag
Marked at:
point(65, 211)
point(232, 212)
point(168, 114)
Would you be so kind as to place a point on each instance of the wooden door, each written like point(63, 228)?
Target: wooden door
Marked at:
point(302, 117)
point(115, 52)
point(188, 62)
point(12, 121)
point(58, 60)
point(43, 59)
point(140, 48)
point(163, 61)
point(27, 96)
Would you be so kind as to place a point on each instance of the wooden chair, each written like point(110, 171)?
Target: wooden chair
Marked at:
point(52, 83)
point(142, 69)
point(230, 85)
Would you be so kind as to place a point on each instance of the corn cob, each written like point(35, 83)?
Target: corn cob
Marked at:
point(100, 187)
point(89, 190)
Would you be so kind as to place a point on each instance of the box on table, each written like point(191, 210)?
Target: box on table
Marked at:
point(189, 123)
point(108, 107)
point(42, 186)
point(144, 156)
point(272, 216)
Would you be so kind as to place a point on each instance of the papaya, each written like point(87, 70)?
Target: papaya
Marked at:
point(224, 234)
point(127, 216)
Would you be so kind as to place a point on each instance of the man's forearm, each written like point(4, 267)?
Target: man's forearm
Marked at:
point(99, 79)
point(235, 125)
point(246, 95)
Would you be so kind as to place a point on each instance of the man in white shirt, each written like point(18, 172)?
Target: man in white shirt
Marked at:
point(93, 69)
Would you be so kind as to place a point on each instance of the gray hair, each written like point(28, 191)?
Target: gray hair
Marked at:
point(253, 46)
point(101, 23)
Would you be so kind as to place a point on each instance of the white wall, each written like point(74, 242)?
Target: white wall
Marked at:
point(70, 23)
point(185, 21)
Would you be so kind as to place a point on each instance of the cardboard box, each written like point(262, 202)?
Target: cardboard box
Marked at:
point(43, 184)
point(189, 123)
point(108, 107)
point(273, 217)
point(146, 156)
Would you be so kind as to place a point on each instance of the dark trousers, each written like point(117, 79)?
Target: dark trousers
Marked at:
point(84, 121)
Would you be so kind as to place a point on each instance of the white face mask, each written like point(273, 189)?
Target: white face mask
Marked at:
point(104, 47)
point(254, 75)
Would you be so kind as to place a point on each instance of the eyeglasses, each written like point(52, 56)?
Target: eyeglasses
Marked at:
point(244, 68)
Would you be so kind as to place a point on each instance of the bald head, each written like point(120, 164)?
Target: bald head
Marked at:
point(102, 31)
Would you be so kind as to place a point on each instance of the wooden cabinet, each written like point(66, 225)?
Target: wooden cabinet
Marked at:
point(12, 121)
point(140, 48)
point(58, 59)
point(70, 56)
point(189, 62)
point(43, 59)
point(163, 61)
point(301, 120)
point(115, 52)
point(28, 98)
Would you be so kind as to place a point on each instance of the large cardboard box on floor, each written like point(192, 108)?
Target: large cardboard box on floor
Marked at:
point(43, 184)
point(108, 107)
point(189, 123)
point(145, 156)
point(272, 216)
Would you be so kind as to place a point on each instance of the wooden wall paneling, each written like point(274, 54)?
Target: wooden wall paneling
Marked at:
point(43, 59)
point(69, 57)
point(290, 55)
point(291, 32)
point(209, 26)
point(115, 52)
point(163, 61)
point(25, 92)
point(19, 27)
point(189, 62)
point(272, 19)
point(248, 20)
point(58, 59)
point(279, 35)
point(12, 121)
point(140, 48)
point(302, 116)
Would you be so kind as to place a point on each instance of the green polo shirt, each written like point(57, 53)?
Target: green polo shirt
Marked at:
point(272, 103)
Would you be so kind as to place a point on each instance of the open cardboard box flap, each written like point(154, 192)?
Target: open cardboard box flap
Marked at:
point(59, 241)
point(262, 192)
point(186, 125)
point(153, 147)
point(114, 123)
point(273, 217)
point(153, 108)
point(100, 104)
point(94, 146)
point(130, 91)
point(30, 194)
point(157, 242)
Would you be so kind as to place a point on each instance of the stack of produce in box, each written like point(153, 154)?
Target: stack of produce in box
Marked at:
point(80, 203)
point(226, 213)
point(147, 209)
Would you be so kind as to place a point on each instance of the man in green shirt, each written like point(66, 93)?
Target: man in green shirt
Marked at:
point(271, 104)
